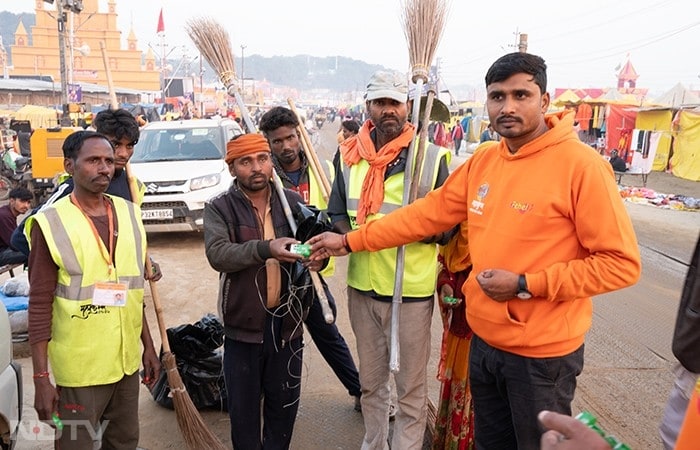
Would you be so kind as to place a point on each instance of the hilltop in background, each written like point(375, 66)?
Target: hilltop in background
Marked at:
point(302, 72)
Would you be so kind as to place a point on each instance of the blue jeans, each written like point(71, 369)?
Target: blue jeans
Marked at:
point(261, 371)
point(510, 390)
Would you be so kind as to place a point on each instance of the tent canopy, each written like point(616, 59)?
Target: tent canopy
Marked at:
point(678, 96)
point(567, 97)
point(38, 116)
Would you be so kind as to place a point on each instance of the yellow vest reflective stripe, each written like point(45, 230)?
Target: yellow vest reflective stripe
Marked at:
point(316, 199)
point(140, 190)
point(90, 344)
point(374, 271)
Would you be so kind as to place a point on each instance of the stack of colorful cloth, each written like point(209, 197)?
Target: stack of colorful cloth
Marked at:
point(650, 197)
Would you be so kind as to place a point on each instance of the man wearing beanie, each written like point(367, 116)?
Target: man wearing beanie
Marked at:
point(247, 239)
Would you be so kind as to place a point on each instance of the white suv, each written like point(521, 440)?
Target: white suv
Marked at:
point(182, 165)
point(10, 385)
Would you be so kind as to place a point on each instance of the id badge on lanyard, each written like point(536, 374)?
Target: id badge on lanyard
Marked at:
point(109, 293)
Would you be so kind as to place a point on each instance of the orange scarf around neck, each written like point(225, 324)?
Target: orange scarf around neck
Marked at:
point(359, 147)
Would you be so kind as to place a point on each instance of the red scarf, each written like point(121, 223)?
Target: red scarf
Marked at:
point(359, 147)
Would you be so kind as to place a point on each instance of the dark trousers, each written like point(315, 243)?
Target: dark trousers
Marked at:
point(332, 346)
point(9, 256)
point(112, 409)
point(510, 390)
point(261, 371)
point(458, 144)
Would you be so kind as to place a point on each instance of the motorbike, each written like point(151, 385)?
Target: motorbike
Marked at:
point(15, 170)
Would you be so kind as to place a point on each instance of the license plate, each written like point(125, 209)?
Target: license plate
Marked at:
point(157, 214)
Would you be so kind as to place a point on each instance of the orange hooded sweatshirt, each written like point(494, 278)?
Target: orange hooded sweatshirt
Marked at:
point(553, 212)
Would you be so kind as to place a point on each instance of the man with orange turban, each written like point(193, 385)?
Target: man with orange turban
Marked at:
point(247, 239)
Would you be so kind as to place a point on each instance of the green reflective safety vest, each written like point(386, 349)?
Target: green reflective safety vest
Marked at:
point(91, 344)
point(375, 271)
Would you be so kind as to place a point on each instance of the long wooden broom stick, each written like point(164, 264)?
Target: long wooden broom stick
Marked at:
point(213, 42)
point(193, 428)
point(414, 27)
point(312, 157)
point(422, 145)
point(423, 24)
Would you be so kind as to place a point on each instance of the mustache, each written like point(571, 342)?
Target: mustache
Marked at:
point(102, 178)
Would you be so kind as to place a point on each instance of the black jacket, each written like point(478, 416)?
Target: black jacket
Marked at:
point(234, 247)
point(686, 336)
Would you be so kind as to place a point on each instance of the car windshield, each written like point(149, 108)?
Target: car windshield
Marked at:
point(179, 144)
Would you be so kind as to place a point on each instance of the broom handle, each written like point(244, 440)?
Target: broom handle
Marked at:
point(312, 157)
point(422, 144)
point(315, 278)
point(244, 110)
point(134, 195)
point(108, 72)
point(394, 361)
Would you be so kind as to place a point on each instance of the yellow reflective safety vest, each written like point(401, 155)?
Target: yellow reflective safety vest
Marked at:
point(375, 271)
point(316, 199)
point(92, 344)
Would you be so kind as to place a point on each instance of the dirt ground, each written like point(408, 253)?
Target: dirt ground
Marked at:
point(188, 291)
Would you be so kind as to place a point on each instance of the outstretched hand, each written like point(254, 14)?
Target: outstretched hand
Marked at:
point(280, 249)
point(568, 433)
point(325, 245)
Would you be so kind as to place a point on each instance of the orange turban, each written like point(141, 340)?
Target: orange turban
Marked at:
point(245, 144)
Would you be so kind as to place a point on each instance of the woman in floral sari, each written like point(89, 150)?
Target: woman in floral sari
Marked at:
point(454, 425)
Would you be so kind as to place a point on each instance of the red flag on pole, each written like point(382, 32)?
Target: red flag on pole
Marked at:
point(161, 25)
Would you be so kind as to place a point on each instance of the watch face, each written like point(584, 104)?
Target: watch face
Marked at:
point(524, 295)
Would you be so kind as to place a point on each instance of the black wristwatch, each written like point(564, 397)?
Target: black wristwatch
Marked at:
point(523, 293)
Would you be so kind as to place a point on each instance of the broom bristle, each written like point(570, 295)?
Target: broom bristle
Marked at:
point(424, 22)
point(193, 428)
point(213, 42)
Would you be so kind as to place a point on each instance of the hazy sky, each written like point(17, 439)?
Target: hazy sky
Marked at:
point(582, 42)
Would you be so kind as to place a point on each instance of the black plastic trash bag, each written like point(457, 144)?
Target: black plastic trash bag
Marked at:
point(200, 357)
point(310, 222)
point(197, 340)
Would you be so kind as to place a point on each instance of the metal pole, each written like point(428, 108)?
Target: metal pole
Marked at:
point(162, 67)
point(201, 86)
point(71, 44)
point(61, 21)
point(243, 47)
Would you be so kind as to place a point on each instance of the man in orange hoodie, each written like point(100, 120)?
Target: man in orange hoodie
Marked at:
point(547, 231)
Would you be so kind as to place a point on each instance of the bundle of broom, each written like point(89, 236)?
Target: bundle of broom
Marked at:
point(213, 42)
point(424, 21)
point(193, 428)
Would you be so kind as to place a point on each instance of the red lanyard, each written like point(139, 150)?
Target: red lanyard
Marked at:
point(108, 258)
